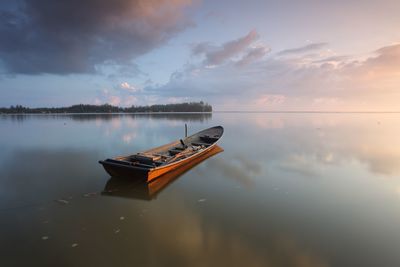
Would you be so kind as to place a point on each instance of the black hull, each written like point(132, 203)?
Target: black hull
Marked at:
point(120, 170)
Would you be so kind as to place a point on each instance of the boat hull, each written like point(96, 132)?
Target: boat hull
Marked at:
point(144, 167)
point(133, 188)
point(122, 171)
point(153, 174)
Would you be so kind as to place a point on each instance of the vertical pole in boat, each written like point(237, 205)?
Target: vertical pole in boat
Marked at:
point(185, 130)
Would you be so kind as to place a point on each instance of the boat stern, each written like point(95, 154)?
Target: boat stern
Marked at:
point(120, 169)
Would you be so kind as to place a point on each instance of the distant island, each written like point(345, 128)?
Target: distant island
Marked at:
point(106, 108)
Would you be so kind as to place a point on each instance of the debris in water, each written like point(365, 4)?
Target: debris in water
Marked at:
point(117, 231)
point(90, 194)
point(109, 191)
point(74, 245)
point(122, 218)
point(45, 237)
point(201, 200)
point(62, 201)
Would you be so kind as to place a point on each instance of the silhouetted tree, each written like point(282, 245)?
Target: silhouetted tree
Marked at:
point(106, 108)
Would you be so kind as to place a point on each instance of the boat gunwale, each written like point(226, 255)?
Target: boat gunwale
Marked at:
point(159, 167)
point(105, 162)
point(173, 143)
point(184, 159)
point(199, 152)
point(172, 165)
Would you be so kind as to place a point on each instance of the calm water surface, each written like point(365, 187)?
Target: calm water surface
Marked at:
point(288, 190)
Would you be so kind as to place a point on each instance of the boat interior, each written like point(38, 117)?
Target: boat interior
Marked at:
point(172, 152)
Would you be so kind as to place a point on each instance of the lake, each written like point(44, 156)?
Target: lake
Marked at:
point(289, 189)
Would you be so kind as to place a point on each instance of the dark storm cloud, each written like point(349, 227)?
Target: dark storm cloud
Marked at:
point(306, 48)
point(73, 36)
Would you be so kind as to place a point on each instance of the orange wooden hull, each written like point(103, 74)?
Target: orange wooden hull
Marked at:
point(156, 172)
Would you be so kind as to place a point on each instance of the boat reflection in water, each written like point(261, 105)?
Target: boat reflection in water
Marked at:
point(140, 189)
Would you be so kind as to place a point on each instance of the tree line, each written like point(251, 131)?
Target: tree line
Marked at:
point(106, 108)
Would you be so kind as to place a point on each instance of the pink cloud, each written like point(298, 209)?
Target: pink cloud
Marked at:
point(114, 100)
point(130, 100)
point(305, 78)
point(128, 87)
point(267, 100)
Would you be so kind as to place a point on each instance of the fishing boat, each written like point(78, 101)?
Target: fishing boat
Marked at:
point(139, 189)
point(155, 162)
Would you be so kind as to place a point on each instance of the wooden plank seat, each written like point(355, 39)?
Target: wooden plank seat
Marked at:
point(200, 144)
point(142, 159)
point(174, 151)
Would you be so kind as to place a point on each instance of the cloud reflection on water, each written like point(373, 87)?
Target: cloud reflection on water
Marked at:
point(258, 206)
point(303, 142)
point(199, 243)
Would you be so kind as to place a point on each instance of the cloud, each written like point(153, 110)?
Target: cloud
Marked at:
point(253, 54)
point(250, 79)
point(114, 100)
point(216, 55)
point(376, 76)
point(123, 94)
point(387, 59)
point(332, 59)
point(270, 99)
point(130, 100)
point(303, 49)
point(128, 87)
point(45, 36)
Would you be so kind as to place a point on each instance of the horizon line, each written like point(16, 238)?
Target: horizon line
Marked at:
point(208, 112)
point(305, 111)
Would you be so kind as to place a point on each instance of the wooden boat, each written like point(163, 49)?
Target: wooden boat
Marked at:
point(139, 189)
point(152, 163)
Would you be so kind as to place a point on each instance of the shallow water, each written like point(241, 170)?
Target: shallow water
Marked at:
point(288, 190)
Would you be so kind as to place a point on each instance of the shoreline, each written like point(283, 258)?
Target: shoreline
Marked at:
point(205, 112)
point(107, 113)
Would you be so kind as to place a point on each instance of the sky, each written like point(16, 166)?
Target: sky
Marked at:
point(254, 55)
